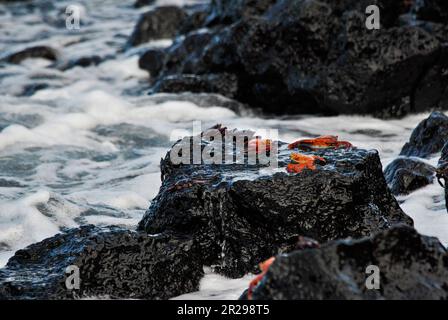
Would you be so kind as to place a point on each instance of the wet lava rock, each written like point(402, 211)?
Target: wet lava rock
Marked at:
point(404, 175)
point(313, 56)
point(224, 84)
point(411, 266)
point(159, 23)
point(112, 262)
point(434, 10)
point(428, 138)
point(230, 11)
point(242, 214)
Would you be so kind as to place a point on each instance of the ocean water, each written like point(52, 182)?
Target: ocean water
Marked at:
point(86, 148)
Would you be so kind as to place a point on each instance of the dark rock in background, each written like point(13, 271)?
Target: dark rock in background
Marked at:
point(113, 262)
point(434, 10)
point(224, 84)
point(295, 57)
point(442, 171)
point(185, 56)
point(159, 23)
point(240, 216)
point(83, 62)
point(230, 11)
point(153, 61)
point(404, 175)
point(197, 16)
point(439, 30)
point(428, 138)
point(411, 266)
point(43, 52)
point(432, 89)
point(142, 3)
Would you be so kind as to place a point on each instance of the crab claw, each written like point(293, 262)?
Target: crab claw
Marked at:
point(320, 142)
point(302, 161)
point(259, 145)
point(264, 266)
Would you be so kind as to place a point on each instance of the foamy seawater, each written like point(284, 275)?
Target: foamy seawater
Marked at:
point(86, 147)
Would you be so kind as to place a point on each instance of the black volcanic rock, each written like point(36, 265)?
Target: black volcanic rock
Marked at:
point(225, 84)
point(152, 61)
point(434, 10)
point(142, 3)
point(404, 175)
point(432, 90)
point(439, 30)
point(203, 100)
point(43, 52)
point(197, 16)
point(442, 171)
point(160, 23)
point(312, 56)
point(428, 138)
point(411, 266)
point(230, 11)
point(241, 214)
point(183, 57)
point(112, 262)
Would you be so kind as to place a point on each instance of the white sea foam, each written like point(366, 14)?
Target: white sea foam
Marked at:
point(216, 287)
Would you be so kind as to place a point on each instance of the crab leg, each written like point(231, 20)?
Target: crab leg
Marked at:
point(302, 161)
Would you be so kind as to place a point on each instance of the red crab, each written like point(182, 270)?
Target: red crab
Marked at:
point(259, 145)
point(321, 142)
point(264, 266)
point(302, 161)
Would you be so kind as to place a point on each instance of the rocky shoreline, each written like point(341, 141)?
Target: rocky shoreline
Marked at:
point(233, 217)
point(277, 58)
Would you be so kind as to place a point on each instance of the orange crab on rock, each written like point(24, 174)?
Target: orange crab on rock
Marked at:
point(302, 161)
point(321, 142)
point(264, 266)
